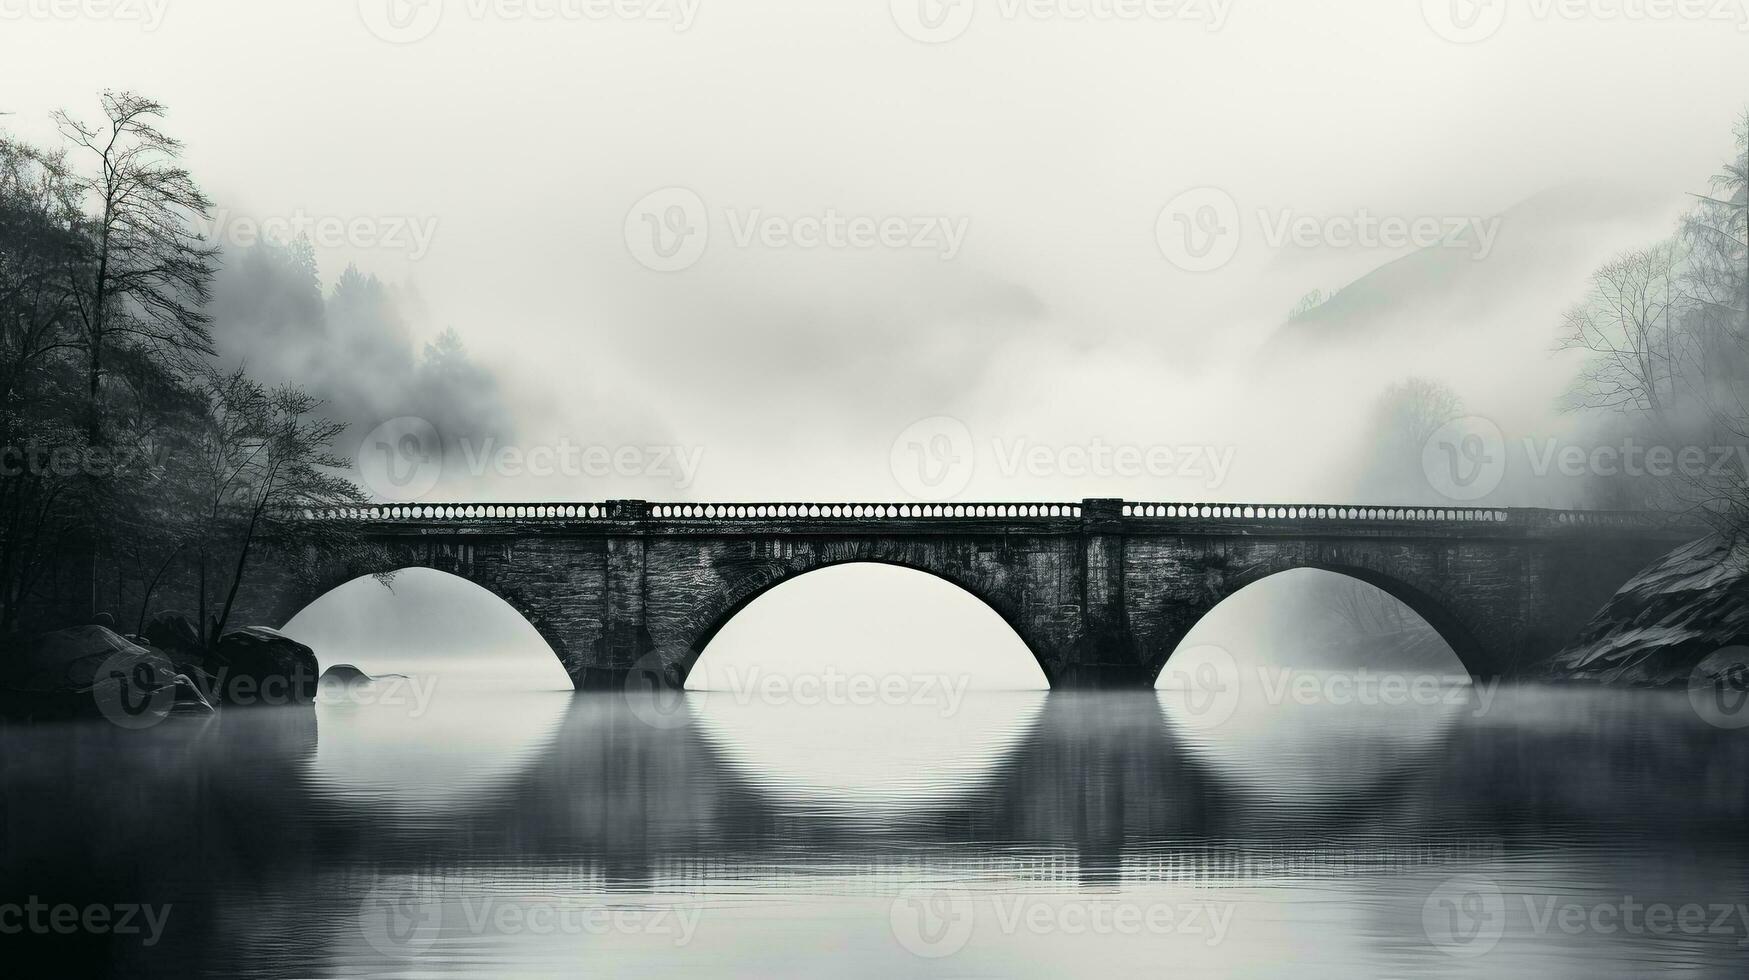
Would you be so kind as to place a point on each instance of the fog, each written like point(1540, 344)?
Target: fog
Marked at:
point(489, 204)
point(499, 163)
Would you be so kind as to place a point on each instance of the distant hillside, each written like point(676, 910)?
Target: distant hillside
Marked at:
point(1440, 296)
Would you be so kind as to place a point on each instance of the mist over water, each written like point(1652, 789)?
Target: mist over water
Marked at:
point(792, 827)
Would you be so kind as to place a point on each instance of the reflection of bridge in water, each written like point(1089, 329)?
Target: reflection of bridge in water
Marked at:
point(1101, 591)
point(1096, 793)
point(1084, 797)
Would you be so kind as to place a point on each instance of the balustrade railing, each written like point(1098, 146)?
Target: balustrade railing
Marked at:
point(620, 510)
point(861, 512)
point(468, 512)
point(1320, 512)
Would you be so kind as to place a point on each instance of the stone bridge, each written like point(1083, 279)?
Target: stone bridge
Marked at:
point(1101, 591)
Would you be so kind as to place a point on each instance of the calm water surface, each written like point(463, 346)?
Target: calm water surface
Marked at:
point(1018, 834)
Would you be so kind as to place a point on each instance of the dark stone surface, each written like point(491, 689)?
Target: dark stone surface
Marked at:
point(175, 634)
point(59, 674)
point(1685, 617)
point(344, 674)
point(342, 680)
point(257, 665)
point(70, 661)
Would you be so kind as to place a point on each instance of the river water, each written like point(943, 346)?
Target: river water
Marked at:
point(1551, 832)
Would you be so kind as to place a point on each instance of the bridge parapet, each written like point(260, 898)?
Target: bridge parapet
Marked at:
point(1150, 516)
point(1314, 512)
point(863, 512)
point(598, 511)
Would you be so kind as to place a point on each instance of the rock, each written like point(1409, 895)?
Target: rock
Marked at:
point(89, 671)
point(1728, 666)
point(174, 633)
point(343, 681)
point(104, 620)
point(344, 674)
point(1682, 615)
point(257, 665)
point(190, 697)
point(67, 661)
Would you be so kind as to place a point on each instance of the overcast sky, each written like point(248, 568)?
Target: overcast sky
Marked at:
point(1035, 292)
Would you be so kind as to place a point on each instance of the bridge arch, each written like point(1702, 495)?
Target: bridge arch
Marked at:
point(465, 602)
point(716, 611)
point(1467, 639)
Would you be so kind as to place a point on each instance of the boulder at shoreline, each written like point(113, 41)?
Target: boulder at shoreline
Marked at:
point(344, 680)
point(57, 675)
point(258, 665)
point(1685, 618)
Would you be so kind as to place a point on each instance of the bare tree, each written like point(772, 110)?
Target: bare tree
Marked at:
point(1718, 277)
point(38, 218)
point(265, 471)
point(1405, 417)
point(1667, 331)
point(145, 273)
point(1630, 322)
